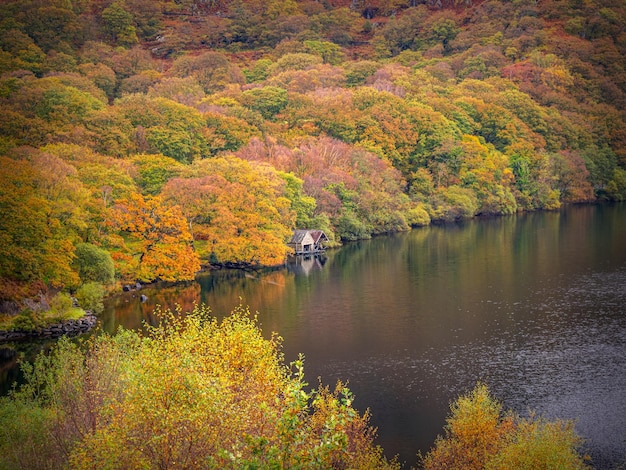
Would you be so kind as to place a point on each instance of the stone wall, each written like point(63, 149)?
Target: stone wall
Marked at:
point(69, 327)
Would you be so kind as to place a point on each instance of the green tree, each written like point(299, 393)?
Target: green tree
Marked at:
point(301, 204)
point(259, 71)
point(616, 188)
point(444, 30)
point(172, 143)
point(358, 72)
point(295, 61)
point(268, 101)
point(403, 32)
point(58, 62)
point(166, 127)
point(54, 26)
point(339, 25)
point(453, 203)
point(228, 132)
point(153, 171)
point(102, 75)
point(110, 132)
point(56, 104)
point(119, 23)
point(21, 51)
point(328, 51)
point(147, 17)
point(186, 91)
point(94, 264)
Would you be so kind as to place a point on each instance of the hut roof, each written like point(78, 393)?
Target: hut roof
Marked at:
point(298, 236)
point(317, 236)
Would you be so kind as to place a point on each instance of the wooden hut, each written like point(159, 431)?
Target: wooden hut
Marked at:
point(307, 241)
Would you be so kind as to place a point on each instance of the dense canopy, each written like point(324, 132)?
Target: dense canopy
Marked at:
point(174, 134)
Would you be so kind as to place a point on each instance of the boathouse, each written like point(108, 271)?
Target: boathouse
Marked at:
point(307, 241)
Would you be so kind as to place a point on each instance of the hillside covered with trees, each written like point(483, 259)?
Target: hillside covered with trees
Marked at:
point(140, 140)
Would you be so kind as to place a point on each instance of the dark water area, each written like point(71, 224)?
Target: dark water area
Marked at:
point(534, 305)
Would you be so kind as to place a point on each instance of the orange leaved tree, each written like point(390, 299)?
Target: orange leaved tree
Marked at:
point(156, 241)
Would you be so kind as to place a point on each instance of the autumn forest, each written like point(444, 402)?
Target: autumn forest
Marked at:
point(142, 140)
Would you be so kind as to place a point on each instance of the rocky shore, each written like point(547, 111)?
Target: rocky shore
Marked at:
point(69, 327)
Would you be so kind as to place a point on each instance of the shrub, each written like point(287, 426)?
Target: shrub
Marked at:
point(454, 203)
point(26, 320)
point(194, 393)
point(24, 427)
point(478, 435)
point(90, 296)
point(418, 216)
point(94, 264)
point(61, 304)
point(538, 443)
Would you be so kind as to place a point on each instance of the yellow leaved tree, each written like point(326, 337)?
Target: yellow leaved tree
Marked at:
point(238, 210)
point(480, 435)
point(193, 393)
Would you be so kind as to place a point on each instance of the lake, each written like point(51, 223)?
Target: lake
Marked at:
point(533, 305)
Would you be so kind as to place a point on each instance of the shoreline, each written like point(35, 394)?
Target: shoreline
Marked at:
point(56, 330)
point(89, 319)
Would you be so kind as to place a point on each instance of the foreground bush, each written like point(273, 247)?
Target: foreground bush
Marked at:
point(192, 393)
point(478, 435)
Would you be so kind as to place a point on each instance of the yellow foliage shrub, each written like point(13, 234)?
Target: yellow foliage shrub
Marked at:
point(192, 393)
point(478, 435)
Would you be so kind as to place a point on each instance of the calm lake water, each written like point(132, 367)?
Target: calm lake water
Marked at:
point(534, 305)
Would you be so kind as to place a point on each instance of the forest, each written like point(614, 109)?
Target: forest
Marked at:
point(142, 140)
